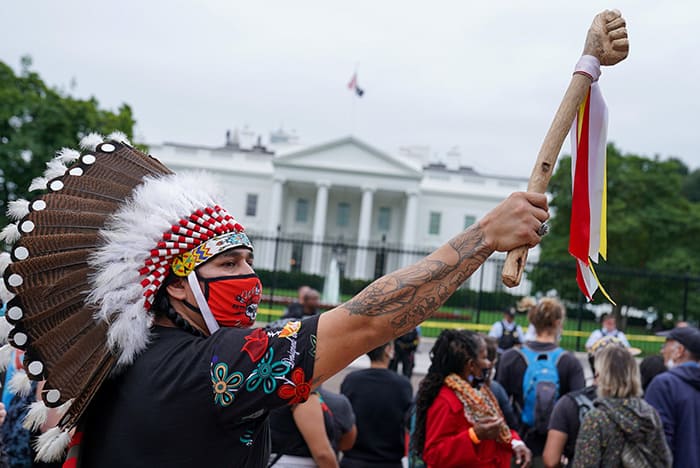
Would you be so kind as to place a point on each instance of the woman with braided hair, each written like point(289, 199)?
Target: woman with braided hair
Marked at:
point(458, 421)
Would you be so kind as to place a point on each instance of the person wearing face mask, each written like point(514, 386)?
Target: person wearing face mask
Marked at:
point(548, 318)
point(676, 395)
point(458, 420)
point(134, 298)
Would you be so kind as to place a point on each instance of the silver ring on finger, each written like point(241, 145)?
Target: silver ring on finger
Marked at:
point(543, 229)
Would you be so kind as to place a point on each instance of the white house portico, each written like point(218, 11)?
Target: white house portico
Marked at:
point(384, 210)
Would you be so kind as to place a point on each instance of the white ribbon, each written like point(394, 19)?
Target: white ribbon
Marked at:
point(209, 319)
point(589, 65)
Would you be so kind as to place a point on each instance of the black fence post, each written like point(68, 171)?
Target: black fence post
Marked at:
point(478, 294)
point(274, 271)
point(686, 284)
point(580, 322)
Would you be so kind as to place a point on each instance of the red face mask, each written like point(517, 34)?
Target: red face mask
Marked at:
point(233, 300)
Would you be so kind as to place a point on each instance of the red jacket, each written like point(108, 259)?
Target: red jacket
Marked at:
point(447, 442)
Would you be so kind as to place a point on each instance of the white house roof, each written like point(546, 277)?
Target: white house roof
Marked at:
point(351, 155)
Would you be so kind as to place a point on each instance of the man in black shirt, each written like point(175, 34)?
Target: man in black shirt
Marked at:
point(146, 330)
point(381, 400)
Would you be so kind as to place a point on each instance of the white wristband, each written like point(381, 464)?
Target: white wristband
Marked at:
point(588, 65)
point(516, 443)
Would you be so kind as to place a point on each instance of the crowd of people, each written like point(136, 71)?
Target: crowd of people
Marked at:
point(462, 416)
point(486, 401)
point(133, 303)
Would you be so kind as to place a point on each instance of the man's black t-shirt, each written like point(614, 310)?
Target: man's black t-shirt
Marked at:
point(566, 417)
point(511, 371)
point(381, 400)
point(286, 438)
point(191, 401)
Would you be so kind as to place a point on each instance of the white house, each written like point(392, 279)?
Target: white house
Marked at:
point(373, 211)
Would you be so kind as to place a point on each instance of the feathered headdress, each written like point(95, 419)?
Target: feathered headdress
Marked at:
point(88, 258)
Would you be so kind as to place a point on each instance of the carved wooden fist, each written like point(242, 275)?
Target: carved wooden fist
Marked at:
point(607, 38)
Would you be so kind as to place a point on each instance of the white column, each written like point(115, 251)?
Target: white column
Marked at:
point(319, 231)
point(273, 221)
point(408, 240)
point(363, 232)
point(275, 206)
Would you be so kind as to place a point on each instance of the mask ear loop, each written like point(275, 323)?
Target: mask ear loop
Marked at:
point(209, 319)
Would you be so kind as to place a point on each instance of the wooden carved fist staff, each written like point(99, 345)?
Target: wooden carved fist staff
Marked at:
point(606, 41)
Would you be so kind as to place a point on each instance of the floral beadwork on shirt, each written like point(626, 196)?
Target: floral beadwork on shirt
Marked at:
point(256, 344)
point(266, 373)
point(312, 348)
point(298, 390)
point(290, 329)
point(224, 384)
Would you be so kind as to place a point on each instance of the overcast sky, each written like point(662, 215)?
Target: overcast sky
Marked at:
point(484, 76)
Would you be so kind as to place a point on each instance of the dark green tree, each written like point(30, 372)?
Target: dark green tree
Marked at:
point(652, 236)
point(36, 120)
point(691, 186)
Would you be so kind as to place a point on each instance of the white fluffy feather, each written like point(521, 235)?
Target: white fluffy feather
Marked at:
point(61, 410)
point(20, 384)
point(18, 209)
point(38, 183)
point(119, 136)
point(55, 168)
point(130, 234)
point(90, 142)
point(5, 329)
point(51, 445)
point(5, 356)
point(5, 295)
point(67, 155)
point(36, 416)
point(10, 233)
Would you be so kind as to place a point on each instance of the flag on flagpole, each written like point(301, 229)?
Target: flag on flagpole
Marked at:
point(588, 238)
point(353, 86)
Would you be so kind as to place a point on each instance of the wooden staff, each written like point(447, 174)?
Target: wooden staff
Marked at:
point(606, 40)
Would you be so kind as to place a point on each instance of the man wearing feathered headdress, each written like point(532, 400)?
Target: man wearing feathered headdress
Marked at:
point(135, 294)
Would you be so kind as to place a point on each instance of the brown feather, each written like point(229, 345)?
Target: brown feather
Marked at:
point(53, 244)
point(50, 348)
point(79, 363)
point(36, 307)
point(46, 270)
point(62, 201)
point(126, 155)
point(86, 186)
point(102, 369)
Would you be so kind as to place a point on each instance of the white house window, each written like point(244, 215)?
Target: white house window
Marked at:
point(434, 226)
point(251, 204)
point(384, 219)
point(469, 220)
point(342, 218)
point(302, 210)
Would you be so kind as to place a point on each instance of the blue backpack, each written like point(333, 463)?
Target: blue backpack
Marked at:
point(540, 387)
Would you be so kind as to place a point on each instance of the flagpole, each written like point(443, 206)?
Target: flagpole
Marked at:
point(353, 96)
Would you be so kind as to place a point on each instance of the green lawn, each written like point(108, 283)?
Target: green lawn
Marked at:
point(572, 339)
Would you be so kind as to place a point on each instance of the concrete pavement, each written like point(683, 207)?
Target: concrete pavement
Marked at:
point(422, 363)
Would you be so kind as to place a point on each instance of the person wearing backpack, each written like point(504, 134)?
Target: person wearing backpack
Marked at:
point(569, 412)
point(506, 331)
point(535, 376)
point(622, 430)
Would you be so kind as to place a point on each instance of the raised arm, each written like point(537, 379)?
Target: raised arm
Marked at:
point(397, 302)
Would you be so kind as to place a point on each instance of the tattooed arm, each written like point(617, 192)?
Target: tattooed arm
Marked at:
point(397, 302)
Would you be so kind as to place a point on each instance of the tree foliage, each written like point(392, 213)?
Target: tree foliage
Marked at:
point(36, 120)
point(653, 230)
